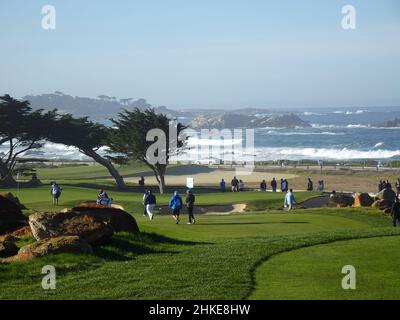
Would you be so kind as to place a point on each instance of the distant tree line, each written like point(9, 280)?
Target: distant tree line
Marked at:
point(23, 129)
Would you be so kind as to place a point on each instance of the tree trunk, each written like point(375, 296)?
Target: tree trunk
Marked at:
point(6, 178)
point(161, 184)
point(110, 167)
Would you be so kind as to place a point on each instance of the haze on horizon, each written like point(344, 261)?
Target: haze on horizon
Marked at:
point(203, 54)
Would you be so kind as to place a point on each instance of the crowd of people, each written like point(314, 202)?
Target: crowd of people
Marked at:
point(383, 184)
point(176, 203)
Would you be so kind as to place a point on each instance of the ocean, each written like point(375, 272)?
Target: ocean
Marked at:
point(339, 134)
point(336, 134)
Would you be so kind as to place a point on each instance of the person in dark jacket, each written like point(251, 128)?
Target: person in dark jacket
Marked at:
point(310, 185)
point(273, 185)
point(190, 199)
point(396, 212)
point(263, 186)
point(150, 203)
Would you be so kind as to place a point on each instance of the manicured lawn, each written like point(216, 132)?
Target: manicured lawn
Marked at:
point(86, 171)
point(217, 258)
point(315, 272)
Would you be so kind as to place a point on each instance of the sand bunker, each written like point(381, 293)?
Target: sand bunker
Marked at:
point(210, 210)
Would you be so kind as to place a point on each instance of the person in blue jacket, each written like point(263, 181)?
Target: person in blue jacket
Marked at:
point(176, 205)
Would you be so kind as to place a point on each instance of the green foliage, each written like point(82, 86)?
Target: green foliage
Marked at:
point(21, 129)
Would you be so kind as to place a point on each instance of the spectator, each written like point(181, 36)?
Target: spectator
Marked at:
point(263, 186)
point(241, 185)
point(396, 212)
point(235, 184)
point(103, 198)
point(273, 185)
point(222, 185)
point(310, 185)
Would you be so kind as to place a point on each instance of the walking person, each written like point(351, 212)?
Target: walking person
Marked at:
point(55, 191)
point(396, 212)
point(289, 200)
point(150, 203)
point(176, 205)
point(190, 199)
point(273, 184)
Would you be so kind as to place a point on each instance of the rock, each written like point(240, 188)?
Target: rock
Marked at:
point(387, 210)
point(11, 215)
point(388, 195)
point(7, 249)
point(65, 244)
point(341, 200)
point(231, 120)
point(119, 219)
point(91, 228)
point(363, 200)
point(14, 199)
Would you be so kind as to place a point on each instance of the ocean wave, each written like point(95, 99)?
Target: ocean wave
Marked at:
point(302, 133)
point(350, 112)
point(323, 154)
point(379, 144)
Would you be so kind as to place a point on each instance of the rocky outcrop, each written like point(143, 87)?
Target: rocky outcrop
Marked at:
point(66, 244)
point(90, 221)
point(119, 219)
point(363, 200)
point(234, 120)
point(395, 123)
point(89, 227)
point(8, 248)
point(11, 215)
point(341, 200)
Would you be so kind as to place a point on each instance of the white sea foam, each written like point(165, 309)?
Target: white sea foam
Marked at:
point(302, 133)
point(323, 153)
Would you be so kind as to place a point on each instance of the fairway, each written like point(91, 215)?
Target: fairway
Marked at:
point(315, 272)
point(219, 257)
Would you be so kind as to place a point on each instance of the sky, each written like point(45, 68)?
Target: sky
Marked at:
point(205, 53)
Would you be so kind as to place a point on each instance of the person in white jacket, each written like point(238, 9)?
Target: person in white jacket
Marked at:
point(289, 200)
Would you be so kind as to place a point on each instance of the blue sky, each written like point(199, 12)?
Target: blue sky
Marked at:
point(208, 54)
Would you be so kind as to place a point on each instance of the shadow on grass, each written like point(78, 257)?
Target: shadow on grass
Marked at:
point(125, 246)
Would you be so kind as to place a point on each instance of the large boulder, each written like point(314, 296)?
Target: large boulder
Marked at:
point(341, 200)
point(363, 200)
point(119, 219)
point(70, 244)
point(388, 195)
point(11, 215)
point(94, 229)
point(7, 249)
point(67, 244)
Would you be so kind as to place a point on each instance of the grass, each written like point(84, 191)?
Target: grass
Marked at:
point(315, 272)
point(220, 257)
